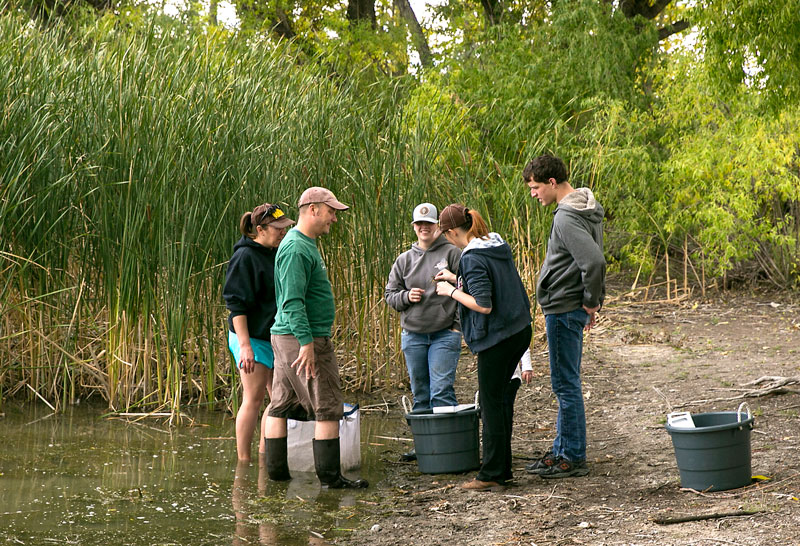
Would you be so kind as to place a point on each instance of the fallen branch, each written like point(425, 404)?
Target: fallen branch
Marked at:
point(705, 493)
point(395, 438)
point(438, 489)
point(776, 381)
point(775, 385)
point(701, 517)
point(755, 488)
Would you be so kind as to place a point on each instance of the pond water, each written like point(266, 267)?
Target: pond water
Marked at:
point(78, 478)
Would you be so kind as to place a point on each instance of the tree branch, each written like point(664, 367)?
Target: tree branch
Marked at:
point(674, 28)
point(628, 8)
point(420, 41)
point(701, 517)
point(651, 12)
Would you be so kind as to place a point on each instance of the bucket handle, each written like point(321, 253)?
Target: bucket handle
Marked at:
point(406, 403)
point(739, 411)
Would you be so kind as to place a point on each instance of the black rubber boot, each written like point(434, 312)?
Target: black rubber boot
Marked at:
point(327, 461)
point(276, 454)
point(408, 456)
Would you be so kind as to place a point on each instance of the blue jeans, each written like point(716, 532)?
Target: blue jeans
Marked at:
point(431, 360)
point(565, 342)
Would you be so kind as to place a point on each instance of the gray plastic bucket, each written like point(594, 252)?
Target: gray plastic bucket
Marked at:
point(446, 442)
point(715, 455)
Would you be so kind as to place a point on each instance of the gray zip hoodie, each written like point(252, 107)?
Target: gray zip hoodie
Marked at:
point(415, 268)
point(574, 269)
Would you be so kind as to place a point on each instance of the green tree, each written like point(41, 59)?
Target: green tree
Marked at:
point(753, 42)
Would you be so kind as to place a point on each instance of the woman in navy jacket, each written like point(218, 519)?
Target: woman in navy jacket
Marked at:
point(496, 323)
point(249, 295)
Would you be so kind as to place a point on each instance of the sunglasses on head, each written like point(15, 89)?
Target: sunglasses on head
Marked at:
point(273, 211)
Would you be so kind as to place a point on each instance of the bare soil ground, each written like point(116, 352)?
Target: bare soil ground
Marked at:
point(640, 363)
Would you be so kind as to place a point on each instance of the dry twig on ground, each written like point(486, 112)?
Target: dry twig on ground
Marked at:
point(701, 517)
point(775, 385)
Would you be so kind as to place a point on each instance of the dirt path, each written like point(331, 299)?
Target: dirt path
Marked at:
point(639, 361)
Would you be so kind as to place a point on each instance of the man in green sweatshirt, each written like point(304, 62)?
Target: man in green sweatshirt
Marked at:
point(306, 381)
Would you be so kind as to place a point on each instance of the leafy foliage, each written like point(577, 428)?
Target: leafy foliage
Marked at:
point(732, 177)
point(131, 142)
point(753, 42)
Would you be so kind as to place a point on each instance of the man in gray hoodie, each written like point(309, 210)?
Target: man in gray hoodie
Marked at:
point(570, 291)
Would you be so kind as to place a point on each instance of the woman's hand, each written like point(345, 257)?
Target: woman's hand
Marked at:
point(527, 376)
point(247, 359)
point(444, 288)
point(445, 275)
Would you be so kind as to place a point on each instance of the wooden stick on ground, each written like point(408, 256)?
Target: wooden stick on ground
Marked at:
point(700, 517)
point(775, 380)
point(775, 385)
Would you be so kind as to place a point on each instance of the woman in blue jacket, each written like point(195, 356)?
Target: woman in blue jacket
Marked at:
point(249, 295)
point(496, 323)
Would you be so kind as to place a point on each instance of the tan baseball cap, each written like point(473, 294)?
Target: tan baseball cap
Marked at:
point(317, 194)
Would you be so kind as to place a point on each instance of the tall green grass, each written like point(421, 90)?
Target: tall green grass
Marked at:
point(127, 155)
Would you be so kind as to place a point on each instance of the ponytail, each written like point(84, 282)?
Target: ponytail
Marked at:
point(246, 225)
point(475, 225)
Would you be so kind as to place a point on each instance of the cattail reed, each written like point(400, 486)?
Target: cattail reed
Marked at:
point(126, 158)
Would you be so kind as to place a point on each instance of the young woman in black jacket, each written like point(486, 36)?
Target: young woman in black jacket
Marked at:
point(249, 295)
point(496, 322)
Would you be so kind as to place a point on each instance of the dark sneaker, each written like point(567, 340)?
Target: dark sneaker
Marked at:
point(565, 469)
point(546, 462)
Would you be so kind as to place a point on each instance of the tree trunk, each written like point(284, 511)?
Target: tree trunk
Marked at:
point(420, 41)
point(360, 11)
point(256, 13)
point(50, 9)
point(212, 12)
point(281, 25)
point(492, 10)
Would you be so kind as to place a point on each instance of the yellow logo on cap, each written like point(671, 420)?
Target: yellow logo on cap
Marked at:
point(277, 214)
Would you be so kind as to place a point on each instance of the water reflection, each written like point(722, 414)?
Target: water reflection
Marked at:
point(256, 527)
point(78, 478)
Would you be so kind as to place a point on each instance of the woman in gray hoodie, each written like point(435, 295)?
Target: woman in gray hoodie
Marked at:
point(431, 338)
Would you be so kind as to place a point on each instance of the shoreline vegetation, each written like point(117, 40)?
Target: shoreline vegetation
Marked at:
point(129, 149)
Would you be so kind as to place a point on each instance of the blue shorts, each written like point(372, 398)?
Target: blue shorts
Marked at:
point(261, 349)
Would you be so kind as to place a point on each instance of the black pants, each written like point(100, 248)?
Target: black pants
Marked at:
point(495, 367)
point(509, 397)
